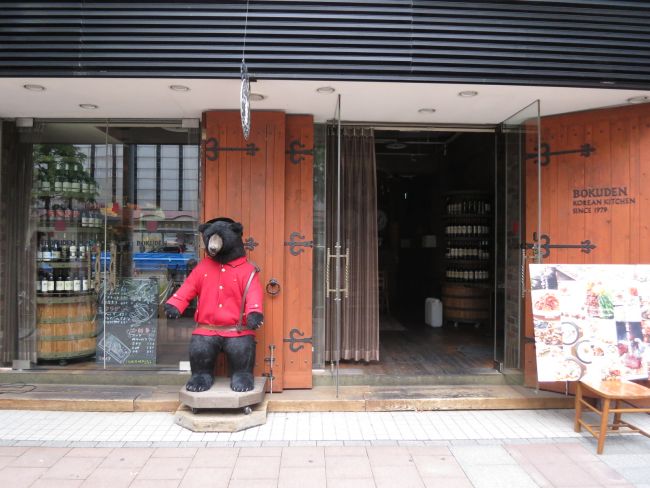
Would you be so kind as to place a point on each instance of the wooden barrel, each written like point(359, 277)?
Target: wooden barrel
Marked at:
point(66, 327)
point(466, 303)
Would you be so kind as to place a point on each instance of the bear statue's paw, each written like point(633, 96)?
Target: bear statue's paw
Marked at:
point(254, 320)
point(242, 382)
point(199, 382)
point(171, 312)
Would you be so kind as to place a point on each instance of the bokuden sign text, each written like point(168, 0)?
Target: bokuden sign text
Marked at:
point(599, 199)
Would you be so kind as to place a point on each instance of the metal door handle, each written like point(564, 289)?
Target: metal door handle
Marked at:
point(273, 287)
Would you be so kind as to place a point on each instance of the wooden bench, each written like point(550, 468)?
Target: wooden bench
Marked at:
point(611, 395)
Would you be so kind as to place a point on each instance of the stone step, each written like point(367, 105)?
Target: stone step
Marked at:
point(347, 377)
point(356, 377)
point(319, 399)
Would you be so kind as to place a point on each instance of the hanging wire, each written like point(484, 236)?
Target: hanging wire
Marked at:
point(243, 53)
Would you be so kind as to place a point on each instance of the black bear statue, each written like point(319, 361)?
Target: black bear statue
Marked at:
point(229, 307)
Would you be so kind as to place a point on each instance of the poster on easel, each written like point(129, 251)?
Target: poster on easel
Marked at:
point(591, 321)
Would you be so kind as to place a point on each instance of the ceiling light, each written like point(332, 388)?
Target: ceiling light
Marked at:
point(396, 145)
point(256, 97)
point(179, 88)
point(639, 99)
point(89, 106)
point(467, 93)
point(31, 87)
point(426, 110)
point(325, 90)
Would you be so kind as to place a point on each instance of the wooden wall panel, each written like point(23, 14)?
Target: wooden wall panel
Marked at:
point(299, 204)
point(616, 224)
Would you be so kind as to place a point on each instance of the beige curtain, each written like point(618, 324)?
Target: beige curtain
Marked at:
point(18, 261)
point(360, 314)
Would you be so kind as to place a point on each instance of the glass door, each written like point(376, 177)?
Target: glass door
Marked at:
point(518, 143)
point(335, 256)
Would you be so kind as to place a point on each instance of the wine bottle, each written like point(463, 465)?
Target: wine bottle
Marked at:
point(68, 284)
point(45, 286)
point(75, 184)
point(65, 250)
point(56, 251)
point(47, 251)
point(76, 283)
point(59, 284)
point(72, 250)
point(51, 282)
point(58, 183)
point(85, 286)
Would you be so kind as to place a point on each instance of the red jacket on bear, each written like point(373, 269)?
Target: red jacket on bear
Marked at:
point(220, 288)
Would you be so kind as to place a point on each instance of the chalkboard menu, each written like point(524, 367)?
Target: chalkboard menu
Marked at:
point(129, 313)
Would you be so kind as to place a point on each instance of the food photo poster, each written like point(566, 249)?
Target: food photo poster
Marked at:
point(591, 321)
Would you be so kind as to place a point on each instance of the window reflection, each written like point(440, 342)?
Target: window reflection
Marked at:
point(116, 230)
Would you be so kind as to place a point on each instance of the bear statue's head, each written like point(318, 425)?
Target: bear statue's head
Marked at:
point(222, 238)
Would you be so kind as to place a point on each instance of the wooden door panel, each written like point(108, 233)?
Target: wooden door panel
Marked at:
point(244, 180)
point(620, 231)
point(298, 259)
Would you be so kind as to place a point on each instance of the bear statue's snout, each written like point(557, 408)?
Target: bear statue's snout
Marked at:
point(214, 244)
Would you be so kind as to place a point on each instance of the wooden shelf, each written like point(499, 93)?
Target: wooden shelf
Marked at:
point(79, 297)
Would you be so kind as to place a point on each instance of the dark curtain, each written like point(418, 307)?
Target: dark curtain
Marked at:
point(18, 261)
point(360, 314)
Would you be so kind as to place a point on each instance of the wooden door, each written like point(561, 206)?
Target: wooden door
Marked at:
point(298, 255)
point(244, 180)
point(609, 154)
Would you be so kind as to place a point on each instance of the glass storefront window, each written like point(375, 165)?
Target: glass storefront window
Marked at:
point(115, 212)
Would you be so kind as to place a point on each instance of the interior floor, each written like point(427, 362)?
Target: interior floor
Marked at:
point(420, 174)
point(412, 348)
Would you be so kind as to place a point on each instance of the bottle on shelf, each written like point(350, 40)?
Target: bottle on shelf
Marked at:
point(83, 277)
point(43, 277)
point(76, 282)
point(51, 285)
point(59, 284)
point(58, 183)
point(72, 251)
point(75, 176)
point(56, 251)
point(68, 283)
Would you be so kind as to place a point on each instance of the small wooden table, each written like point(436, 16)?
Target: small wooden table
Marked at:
point(618, 392)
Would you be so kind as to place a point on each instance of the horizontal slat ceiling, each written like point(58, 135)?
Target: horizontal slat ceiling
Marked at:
point(576, 43)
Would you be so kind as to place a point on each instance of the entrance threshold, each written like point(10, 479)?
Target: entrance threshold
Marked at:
point(357, 377)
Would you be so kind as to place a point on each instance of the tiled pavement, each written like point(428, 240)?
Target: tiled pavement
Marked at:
point(505, 448)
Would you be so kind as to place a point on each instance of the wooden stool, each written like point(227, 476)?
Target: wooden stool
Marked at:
point(610, 391)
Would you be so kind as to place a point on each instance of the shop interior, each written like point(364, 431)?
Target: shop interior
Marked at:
point(435, 198)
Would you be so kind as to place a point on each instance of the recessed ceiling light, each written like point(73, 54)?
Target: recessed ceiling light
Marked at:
point(426, 110)
point(179, 88)
point(325, 90)
point(89, 106)
point(32, 87)
point(639, 99)
point(396, 145)
point(467, 93)
point(257, 97)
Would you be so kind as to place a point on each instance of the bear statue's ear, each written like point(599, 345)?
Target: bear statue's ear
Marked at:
point(202, 227)
point(237, 228)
